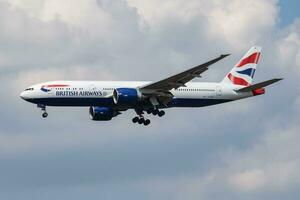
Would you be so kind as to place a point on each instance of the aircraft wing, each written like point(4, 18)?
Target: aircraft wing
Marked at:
point(179, 80)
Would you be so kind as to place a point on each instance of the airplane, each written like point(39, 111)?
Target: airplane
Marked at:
point(108, 99)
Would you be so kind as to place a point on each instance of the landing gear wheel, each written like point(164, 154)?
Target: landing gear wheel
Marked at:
point(161, 113)
point(147, 122)
point(135, 119)
point(155, 112)
point(44, 115)
point(141, 121)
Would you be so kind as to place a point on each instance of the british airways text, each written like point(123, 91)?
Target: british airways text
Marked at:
point(78, 93)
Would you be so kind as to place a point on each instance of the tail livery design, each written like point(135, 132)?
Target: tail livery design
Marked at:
point(243, 72)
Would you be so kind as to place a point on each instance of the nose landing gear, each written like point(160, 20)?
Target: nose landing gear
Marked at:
point(45, 114)
point(43, 108)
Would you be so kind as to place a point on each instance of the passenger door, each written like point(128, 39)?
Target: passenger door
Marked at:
point(218, 91)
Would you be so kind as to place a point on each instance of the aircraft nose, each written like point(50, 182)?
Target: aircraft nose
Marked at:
point(23, 95)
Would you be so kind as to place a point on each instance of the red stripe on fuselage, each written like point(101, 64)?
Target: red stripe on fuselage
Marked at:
point(237, 81)
point(56, 85)
point(250, 59)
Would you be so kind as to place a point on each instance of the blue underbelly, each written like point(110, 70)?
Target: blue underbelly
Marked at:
point(185, 102)
point(176, 102)
point(73, 101)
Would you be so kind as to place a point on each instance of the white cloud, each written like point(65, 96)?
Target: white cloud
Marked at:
point(288, 47)
point(156, 12)
point(248, 180)
point(71, 73)
point(239, 23)
point(83, 36)
point(270, 166)
point(84, 14)
point(242, 23)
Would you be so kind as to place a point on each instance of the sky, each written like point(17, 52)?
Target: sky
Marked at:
point(246, 149)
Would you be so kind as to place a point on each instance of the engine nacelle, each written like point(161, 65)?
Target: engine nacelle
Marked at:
point(126, 96)
point(102, 113)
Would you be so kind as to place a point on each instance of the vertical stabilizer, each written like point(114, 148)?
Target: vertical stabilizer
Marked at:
point(243, 71)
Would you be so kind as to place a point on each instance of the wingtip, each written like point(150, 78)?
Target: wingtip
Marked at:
point(225, 55)
point(279, 79)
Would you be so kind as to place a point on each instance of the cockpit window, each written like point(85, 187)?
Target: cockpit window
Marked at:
point(28, 89)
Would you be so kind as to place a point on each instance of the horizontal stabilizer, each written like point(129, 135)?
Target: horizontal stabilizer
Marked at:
point(259, 85)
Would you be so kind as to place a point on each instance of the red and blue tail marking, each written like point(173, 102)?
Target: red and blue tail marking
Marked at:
point(244, 70)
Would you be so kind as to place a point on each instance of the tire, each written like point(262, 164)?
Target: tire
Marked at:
point(135, 119)
point(161, 113)
point(147, 122)
point(44, 115)
point(141, 120)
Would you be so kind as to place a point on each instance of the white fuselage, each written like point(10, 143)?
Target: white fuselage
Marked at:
point(99, 93)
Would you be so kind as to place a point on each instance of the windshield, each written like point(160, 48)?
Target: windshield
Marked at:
point(28, 89)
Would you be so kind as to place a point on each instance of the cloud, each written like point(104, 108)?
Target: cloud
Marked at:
point(61, 42)
point(289, 47)
point(237, 23)
point(249, 180)
point(272, 165)
point(269, 167)
point(246, 149)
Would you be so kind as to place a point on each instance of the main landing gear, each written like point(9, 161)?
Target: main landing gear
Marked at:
point(160, 113)
point(140, 118)
point(43, 108)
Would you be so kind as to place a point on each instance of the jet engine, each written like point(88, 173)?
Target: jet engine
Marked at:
point(102, 113)
point(126, 96)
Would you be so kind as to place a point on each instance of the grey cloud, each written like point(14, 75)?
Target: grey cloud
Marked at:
point(191, 151)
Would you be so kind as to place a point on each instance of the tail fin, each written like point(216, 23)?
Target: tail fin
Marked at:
point(243, 71)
